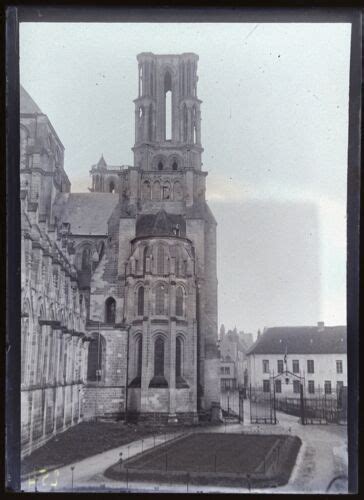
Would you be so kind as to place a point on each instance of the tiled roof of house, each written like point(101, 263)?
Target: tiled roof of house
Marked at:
point(301, 340)
point(27, 105)
point(88, 213)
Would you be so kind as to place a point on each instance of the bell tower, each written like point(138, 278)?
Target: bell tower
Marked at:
point(167, 248)
point(167, 113)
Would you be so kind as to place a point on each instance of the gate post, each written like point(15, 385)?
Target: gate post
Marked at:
point(302, 405)
point(274, 403)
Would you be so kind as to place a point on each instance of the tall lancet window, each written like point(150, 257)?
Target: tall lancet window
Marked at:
point(150, 122)
point(178, 357)
point(139, 357)
point(110, 310)
point(140, 80)
point(160, 260)
point(185, 122)
point(168, 105)
point(159, 357)
point(179, 301)
point(194, 119)
point(145, 255)
point(140, 301)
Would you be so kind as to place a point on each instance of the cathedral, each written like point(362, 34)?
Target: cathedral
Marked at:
point(119, 285)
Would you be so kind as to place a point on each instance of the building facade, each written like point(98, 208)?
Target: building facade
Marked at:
point(233, 346)
point(289, 356)
point(119, 284)
point(53, 312)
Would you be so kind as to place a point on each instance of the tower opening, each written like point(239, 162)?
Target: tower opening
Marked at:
point(150, 123)
point(185, 122)
point(140, 80)
point(168, 106)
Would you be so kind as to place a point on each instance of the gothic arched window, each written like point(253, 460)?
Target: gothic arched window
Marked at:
point(160, 165)
point(168, 106)
point(160, 260)
point(96, 358)
point(174, 165)
point(179, 301)
point(178, 357)
point(159, 357)
point(110, 310)
point(160, 299)
point(140, 301)
point(85, 263)
point(139, 353)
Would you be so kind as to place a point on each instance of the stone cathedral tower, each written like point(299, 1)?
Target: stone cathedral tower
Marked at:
point(167, 248)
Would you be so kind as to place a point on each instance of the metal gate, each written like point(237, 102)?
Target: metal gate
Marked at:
point(232, 405)
point(262, 405)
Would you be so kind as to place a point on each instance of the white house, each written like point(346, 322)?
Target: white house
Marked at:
point(314, 356)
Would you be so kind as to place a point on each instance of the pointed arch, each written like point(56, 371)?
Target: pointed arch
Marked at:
point(110, 310)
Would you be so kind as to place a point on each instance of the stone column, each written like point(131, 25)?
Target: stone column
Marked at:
point(146, 367)
point(56, 374)
point(189, 125)
point(172, 417)
point(66, 337)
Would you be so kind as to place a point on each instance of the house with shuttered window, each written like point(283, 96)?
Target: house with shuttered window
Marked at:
point(283, 358)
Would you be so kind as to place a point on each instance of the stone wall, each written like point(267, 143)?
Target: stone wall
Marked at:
point(103, 402)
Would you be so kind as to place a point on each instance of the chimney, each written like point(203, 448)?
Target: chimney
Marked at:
point(320, 326)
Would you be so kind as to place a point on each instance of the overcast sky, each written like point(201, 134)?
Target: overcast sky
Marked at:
point(275, 134)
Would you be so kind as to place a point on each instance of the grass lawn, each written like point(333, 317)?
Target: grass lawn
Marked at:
point(82, 441)
point(249, 460)
point(209, 453)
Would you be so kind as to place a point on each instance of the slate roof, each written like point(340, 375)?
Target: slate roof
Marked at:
point(160, 224)
point(301, 340)
point(27, 105)
point(88, 213)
